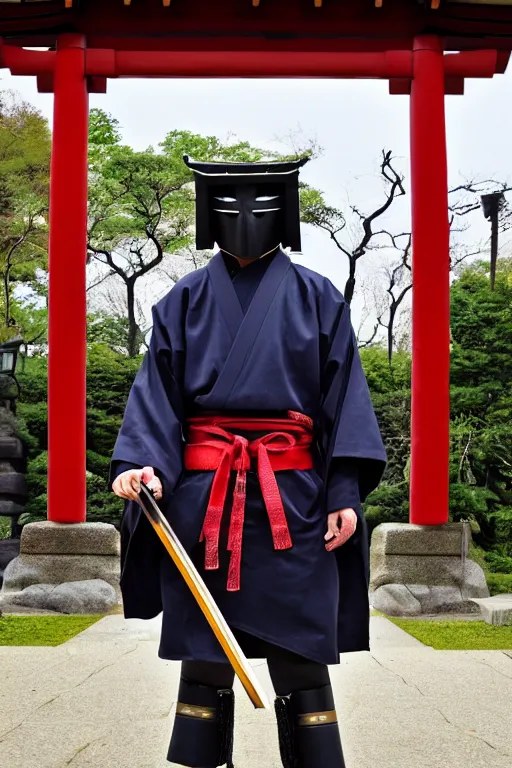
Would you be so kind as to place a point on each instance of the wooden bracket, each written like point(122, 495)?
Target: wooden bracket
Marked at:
point(400, 86)
point(96, 84)
point(454, 86)
point(45, 81)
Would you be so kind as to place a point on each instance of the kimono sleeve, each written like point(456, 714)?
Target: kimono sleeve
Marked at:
point(151, 431)
point(350, 430)
point(343, 485)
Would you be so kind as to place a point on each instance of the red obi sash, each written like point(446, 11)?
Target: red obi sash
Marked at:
point(213, 444)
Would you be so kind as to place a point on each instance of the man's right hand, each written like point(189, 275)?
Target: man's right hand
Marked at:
point(127, 484)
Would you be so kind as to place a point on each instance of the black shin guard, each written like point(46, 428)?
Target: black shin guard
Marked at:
point(202, 735)
point(309, 736)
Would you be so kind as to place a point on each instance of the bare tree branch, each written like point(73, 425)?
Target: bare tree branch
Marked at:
point(332, 220)
point(100, 281)
point(369, 341)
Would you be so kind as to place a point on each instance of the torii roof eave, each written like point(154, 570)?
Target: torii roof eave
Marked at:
point(264, 25)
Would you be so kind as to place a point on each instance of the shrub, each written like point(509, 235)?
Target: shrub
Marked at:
point(110, 376)
point(388, 504)
point(499, 583)
point(501, 564)
point(35, 418)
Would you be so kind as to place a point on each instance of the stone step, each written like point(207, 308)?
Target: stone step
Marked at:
point(496, 610)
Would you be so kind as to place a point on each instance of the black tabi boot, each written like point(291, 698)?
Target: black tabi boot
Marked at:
point(202, 735)
point(309, 736)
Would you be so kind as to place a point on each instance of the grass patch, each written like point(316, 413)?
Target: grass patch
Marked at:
point(457, 635)
point(42, 630)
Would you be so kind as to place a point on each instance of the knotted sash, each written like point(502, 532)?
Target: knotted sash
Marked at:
point(214, 444)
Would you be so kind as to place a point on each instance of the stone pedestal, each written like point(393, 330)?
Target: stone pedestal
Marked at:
point(53, 553)
point(419, 569)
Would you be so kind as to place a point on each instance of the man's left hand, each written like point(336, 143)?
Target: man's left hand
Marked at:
point(341, 526)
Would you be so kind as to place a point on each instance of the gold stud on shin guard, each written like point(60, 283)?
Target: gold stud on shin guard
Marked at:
point(192, 710)
point(317, 718)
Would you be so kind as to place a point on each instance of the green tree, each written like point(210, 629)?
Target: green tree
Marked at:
point(481, 375)
point(30, 312)
point(104, 133)
point(107, 329)
point(481, 414)
point(390, 388)
point(142, 207)
point(24, 179)
point(141, 210)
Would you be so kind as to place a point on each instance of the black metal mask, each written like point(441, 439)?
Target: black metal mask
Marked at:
point(247, 220)
point(248, 209)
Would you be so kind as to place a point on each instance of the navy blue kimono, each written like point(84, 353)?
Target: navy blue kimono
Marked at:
point(263, 340)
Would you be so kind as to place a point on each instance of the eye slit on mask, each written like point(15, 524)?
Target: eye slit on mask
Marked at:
point(266, 198)
point(227, 199)
point(260, 212)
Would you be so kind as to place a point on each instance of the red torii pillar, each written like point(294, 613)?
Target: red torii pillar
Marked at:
point(67, 286)
point(430, 407)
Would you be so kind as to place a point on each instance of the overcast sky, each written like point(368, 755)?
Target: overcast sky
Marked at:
point(351, 120)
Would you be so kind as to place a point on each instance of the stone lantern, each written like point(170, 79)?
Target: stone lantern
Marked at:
point(13, 459)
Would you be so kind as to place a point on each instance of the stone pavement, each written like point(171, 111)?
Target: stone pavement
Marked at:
point(105, 700)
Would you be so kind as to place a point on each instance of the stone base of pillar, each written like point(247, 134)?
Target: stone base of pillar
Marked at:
point(57, 554)
point(418, 569)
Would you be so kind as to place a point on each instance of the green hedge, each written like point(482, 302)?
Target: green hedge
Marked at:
point(109, 378)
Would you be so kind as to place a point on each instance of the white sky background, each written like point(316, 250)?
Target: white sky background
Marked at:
point(351, 120)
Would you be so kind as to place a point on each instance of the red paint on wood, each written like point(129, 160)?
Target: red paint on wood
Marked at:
point(252, 64)
point(431, 291)
point(67, 295)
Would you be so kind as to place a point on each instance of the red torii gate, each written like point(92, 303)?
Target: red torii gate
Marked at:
point(421, 68)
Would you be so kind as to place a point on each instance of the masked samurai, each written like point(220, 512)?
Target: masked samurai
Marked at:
point(251, 419)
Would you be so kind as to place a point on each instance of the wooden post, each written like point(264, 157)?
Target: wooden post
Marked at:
point(67, 286)
point(431, 289)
